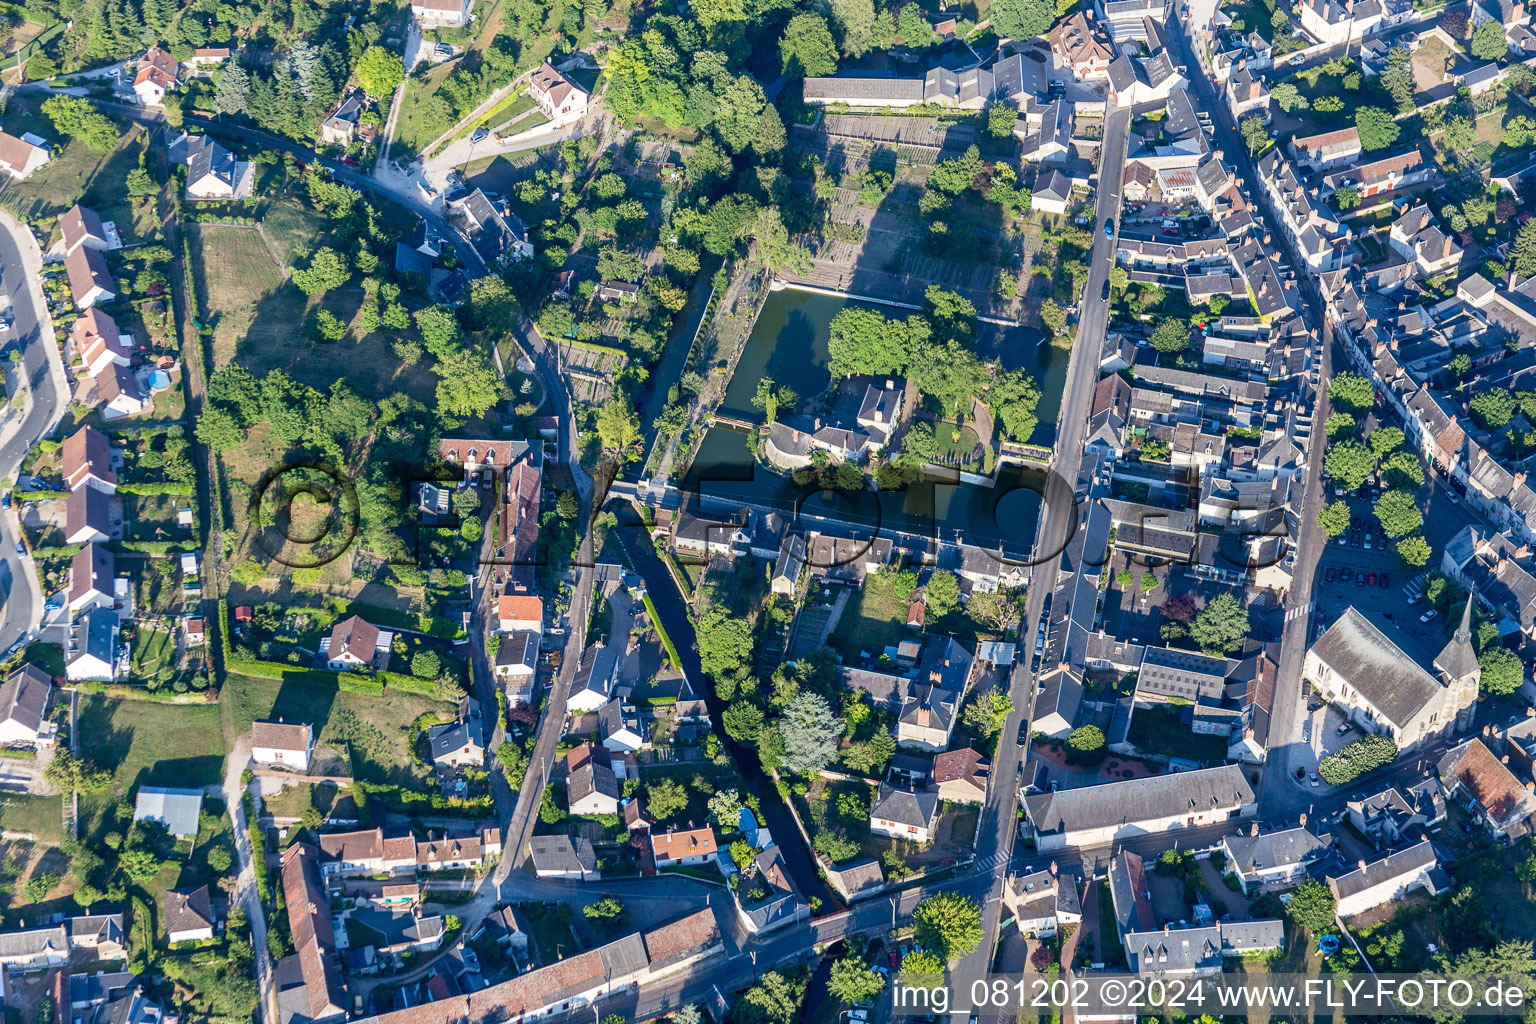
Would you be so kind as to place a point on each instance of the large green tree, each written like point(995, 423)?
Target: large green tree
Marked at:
point(379, 70)
point(1348, 463)
point(1312, 907)
point(1334, 518)
point(1171, 335)
point(1397, 77)
point(1502, 671)
point(1222, 625)
point(807, 49)
point(949, 924)
point(1376, 127)
point(1489, 41)
point(469, 384)
point(853, 982)
point(811, 732)
point(1352, 391)
point(1022, 19)
point(862, 340)
point(1398, 513)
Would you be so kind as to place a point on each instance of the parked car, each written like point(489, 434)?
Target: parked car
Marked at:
point(479, 134)
point(1104, 292)
point(1429, 615)
point(1329, 574)
point(1370, 579)
point(21, 550)
point(1341, 730)
point(1384, 581)
point(1346, 574)
point(1023, 733)
point(1368, 538)
point(5, 500)
point(1109, 228)
point(1313, 780)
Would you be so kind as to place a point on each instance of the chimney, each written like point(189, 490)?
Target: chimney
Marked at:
point(1303, 822)
point(1053, 869)
point(1253, 829)
point(1504, 759)
point(1530, 787)
point(1360, 864)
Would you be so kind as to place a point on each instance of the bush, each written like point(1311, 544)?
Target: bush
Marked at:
point(1355, 759)
point(1086, 745)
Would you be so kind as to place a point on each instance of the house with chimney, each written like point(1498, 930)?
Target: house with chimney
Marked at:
point(433, 14)
point(684, 846)
point(1388, 879)
point(1099, 815)
point(98, 345)
point(925, 690)
point(282, 744)
point(1081, 45)
point(561, 98)
point(1417, 238)
point(1273, 860)
point(1394, 814)
point(900, 812)
point(92, 576)
point(1483, 784)
point(90, 281)
point(309, 981)
point(81, 225)
point(1042, 902)
point(1340, 22)
point(213, 172)
point(157, 74)
point(1327, 150)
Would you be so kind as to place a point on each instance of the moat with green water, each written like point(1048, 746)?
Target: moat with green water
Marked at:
point(789, 344)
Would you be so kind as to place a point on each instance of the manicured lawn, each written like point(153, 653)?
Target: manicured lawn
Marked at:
point(233, 266)
point(951, 449)
point(43, 816)
point(871, 621)
point(527, 122)
point(153, 655)
point(508, 110)
point(154, 744)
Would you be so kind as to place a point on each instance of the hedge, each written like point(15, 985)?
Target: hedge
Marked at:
point(351, 682)
point(410, 684)
point(183, 490)
point(58, 551)
point(661, 631)
point(1353, 760)
point(152, 547)
point(123, 691)
point(37, 495)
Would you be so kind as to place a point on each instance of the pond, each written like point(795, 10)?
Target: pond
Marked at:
point(789, 344)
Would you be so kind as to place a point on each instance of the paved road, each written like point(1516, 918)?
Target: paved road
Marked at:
point(1281, 791)
point(245, 883)
point(999, 817)
point(20, 595)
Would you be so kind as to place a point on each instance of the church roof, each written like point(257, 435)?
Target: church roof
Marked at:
point(1457, 659)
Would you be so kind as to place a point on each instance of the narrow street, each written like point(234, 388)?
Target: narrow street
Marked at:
point(1281, 791)
point(21, 598)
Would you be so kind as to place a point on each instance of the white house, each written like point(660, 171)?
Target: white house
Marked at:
point(188, 915)
point(619, 735)
point(693, 846)
point(1042, 902)
point(91, 572)
point(90, 282)
point(563, 857)
point(1099, 815)
point(1052, 192)
point(516, 612)
point(516, 665)
point(95, 340)
point(91, 650)
point(1272, 860)
point(355, 644)
point(903, 813)
point(179, 810)
point(158, 73)
point(24, 706)
point(442, 13)
point(1388, 879)
point(20, 157)
point(592, 686)
point(87, 461)
point(283, 744)
point(561, 98)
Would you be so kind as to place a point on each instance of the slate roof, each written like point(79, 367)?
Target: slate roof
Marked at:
point(1135, 800)
point(188, 909)
point(905, 806)
point(1376, 667)
point(1270, 850)
point(1418, 857)
point(562, 853)
point(24, 697)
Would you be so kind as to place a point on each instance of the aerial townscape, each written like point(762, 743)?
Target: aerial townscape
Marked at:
point(698, 511)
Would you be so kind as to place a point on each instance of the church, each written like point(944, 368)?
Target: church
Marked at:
point(1386, 690)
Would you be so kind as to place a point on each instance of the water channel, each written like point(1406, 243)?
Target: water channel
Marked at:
point(789, 344)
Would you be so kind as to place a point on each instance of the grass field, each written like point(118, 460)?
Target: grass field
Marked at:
point(871, 621)
point(146, 744)
point(288, 226)
point(74, 171)
point(154, 654)
point(43, 816)
point(233, 266)
point(274, 335)
point(376, 729)
point(526, 122)
point(508, 110)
